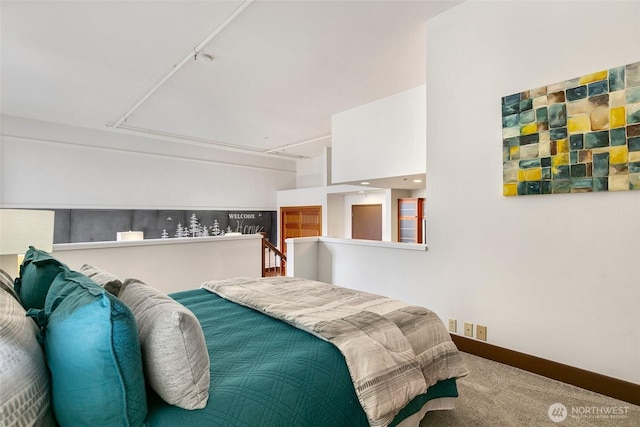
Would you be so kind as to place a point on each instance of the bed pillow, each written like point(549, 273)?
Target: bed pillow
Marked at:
point(37, 271)
point(25, 395)
point(6, 283)
point(107, 280)
point(93, 352)
point(174, 351)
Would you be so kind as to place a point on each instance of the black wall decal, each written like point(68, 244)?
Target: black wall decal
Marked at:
point(101, 225)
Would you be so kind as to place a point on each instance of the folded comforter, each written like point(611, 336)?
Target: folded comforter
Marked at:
point(394, 351)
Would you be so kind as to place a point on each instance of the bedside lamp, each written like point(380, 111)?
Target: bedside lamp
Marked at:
point(19, 229)
point(129, 235)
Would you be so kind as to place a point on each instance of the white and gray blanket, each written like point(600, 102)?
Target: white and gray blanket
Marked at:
point(394, 351)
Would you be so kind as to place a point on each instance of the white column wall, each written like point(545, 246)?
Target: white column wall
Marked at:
point(381, 139)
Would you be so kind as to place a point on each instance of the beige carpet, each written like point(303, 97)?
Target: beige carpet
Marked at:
point(499, 395)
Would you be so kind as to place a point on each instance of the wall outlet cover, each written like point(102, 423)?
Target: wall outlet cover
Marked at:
point(481, 332)
point(468, 329)
point(453, 325)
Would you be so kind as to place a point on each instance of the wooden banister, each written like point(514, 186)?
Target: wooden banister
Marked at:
point(269, 253)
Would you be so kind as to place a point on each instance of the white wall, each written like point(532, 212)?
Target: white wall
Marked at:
point(314, 172)
point(335, 218)
point(381, 139)
point(56, 166)
point(309, 172)
point(554, 276)
point(302, 258)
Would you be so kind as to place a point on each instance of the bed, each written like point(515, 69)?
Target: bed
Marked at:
point(288, 372)
point(262, 370)
point(281, 376)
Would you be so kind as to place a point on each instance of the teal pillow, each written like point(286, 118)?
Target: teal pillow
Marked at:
point(37, 271)
point(93, 353)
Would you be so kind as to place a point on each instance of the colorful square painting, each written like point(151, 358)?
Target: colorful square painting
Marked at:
point(575, 136)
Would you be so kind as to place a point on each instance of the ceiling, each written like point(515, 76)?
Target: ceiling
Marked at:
point(280, 69)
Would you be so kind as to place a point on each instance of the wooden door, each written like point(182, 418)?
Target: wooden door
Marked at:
point(299, 221)
point(366, 222)
point(410, 215)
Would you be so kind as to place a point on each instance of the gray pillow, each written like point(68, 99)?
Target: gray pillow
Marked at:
point(25, 398)
point(6, 283)
point(174, 352)
point(108, 281)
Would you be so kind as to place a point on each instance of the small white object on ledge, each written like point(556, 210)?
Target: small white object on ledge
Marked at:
point(233, 233)
point(129, 235)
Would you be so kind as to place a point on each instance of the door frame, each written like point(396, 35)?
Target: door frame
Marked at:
point(281, 231)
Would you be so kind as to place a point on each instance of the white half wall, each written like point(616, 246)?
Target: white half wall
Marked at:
point(56, 166)
point(170, 265)
point(555, 276)
point(386, 268)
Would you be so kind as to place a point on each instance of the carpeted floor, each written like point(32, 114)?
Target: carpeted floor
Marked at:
point(499, 395)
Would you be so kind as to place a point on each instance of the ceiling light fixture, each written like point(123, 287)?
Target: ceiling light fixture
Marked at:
point(365, 183)
point(417, 181)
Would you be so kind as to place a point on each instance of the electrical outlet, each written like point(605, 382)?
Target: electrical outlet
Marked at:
point(468, 329)
point(481, 332)
point(453, 325)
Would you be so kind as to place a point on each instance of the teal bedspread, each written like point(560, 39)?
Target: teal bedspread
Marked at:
point(265, 372)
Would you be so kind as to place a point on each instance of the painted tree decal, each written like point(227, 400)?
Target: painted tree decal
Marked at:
point(215, 230)
point(179, 230)
point(194, 226)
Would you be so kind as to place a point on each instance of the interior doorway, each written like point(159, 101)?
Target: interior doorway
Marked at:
point(299, 221)
point(366, 222)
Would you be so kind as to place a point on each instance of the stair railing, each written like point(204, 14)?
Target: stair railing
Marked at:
point(274, 262)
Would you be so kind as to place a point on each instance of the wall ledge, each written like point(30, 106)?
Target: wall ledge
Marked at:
point(359, 242)
point(149, 242)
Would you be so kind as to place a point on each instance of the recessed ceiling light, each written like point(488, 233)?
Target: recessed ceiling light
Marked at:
point(365, 183)
point(417, 180)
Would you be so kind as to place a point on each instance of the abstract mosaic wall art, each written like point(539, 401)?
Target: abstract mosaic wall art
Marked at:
point(579, 135)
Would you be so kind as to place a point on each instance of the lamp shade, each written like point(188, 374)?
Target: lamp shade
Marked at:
point(21, 228)
point(129, 235)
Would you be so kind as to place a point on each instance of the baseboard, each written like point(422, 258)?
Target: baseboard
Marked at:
point(612, 387)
